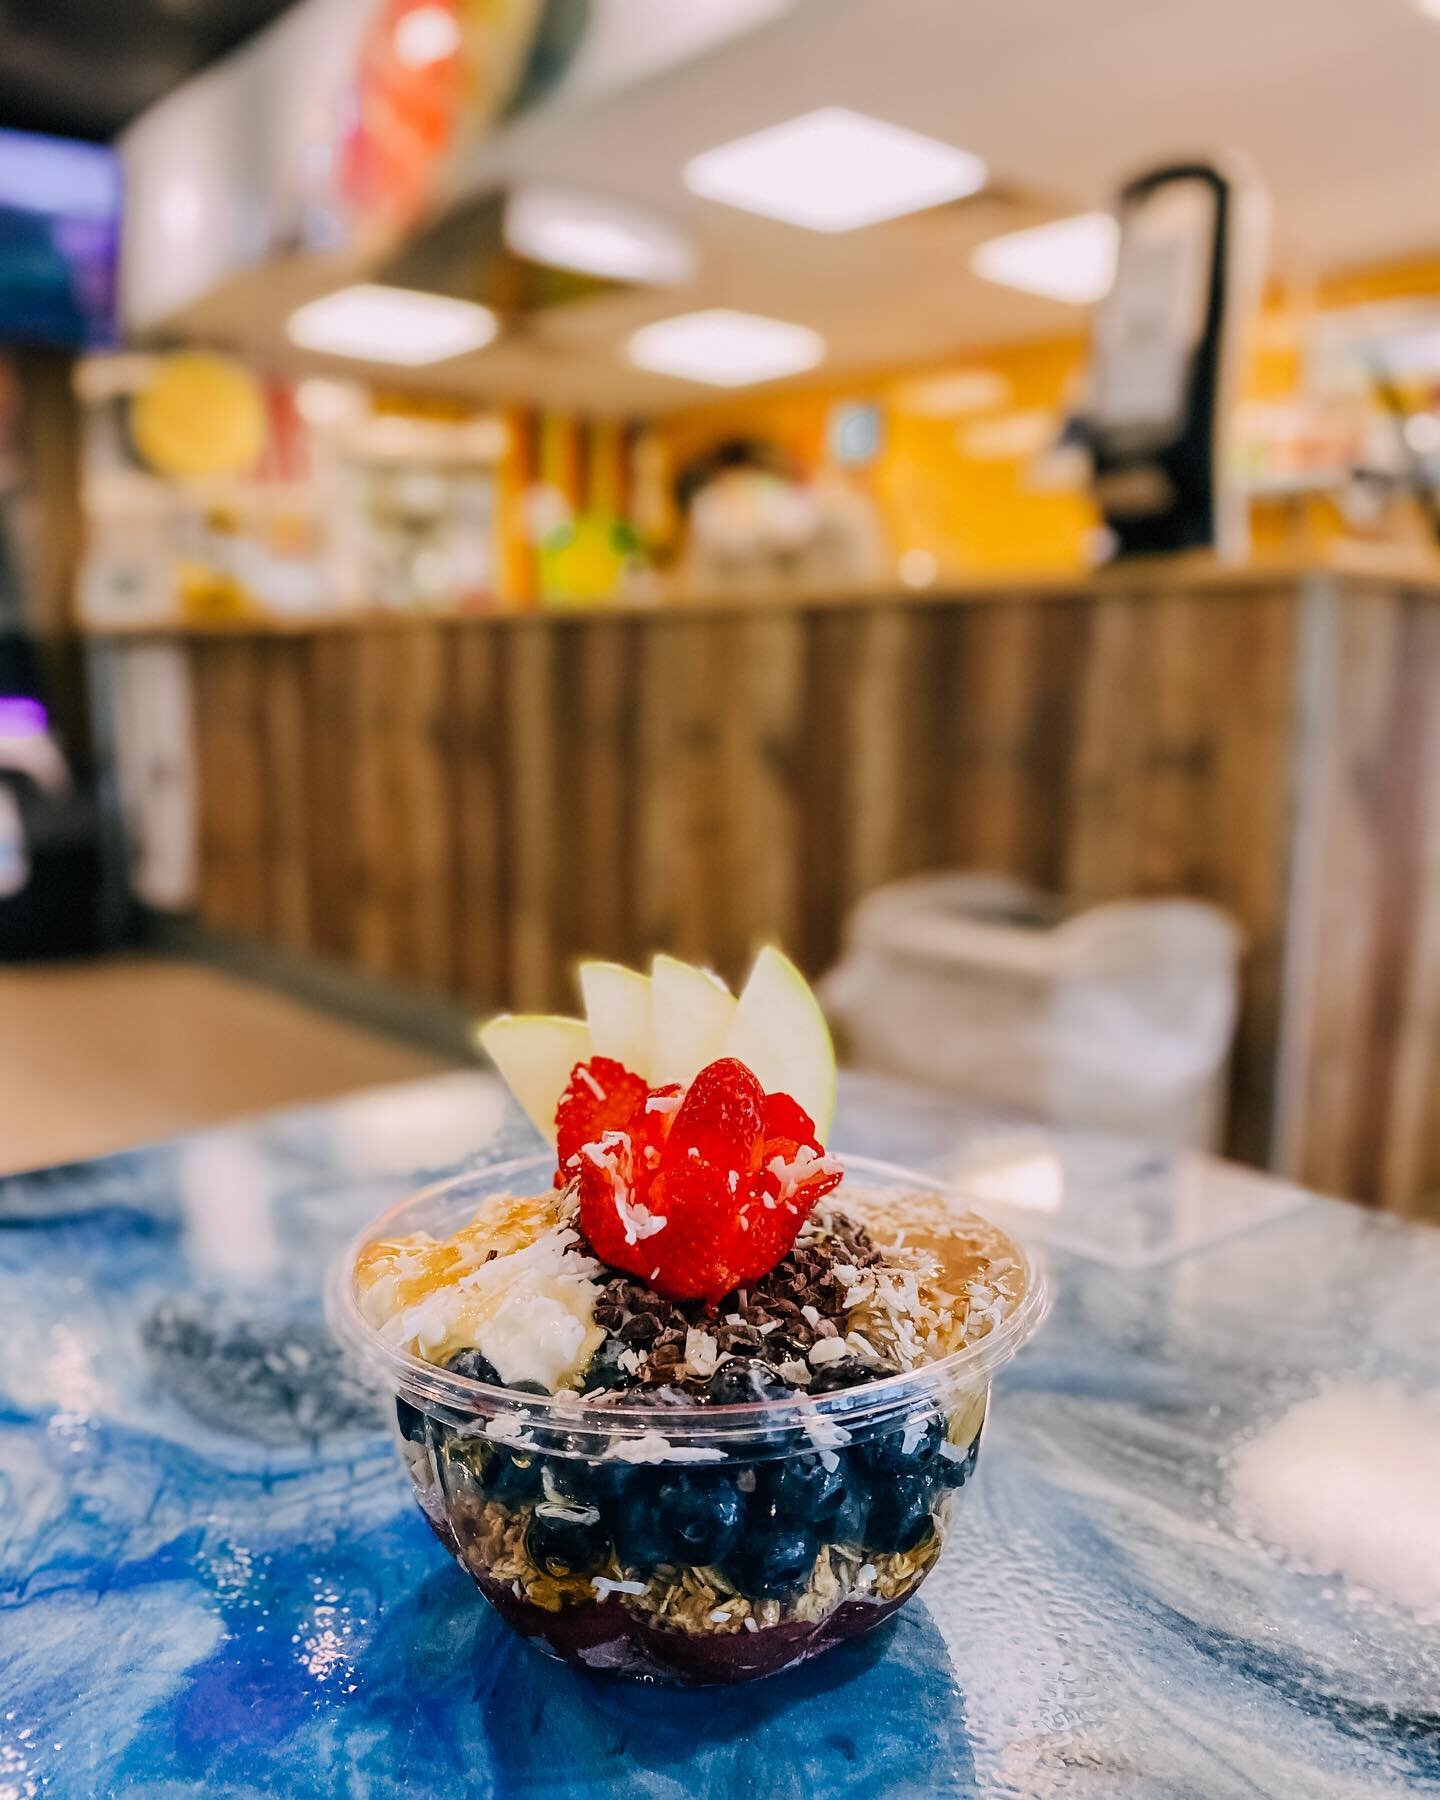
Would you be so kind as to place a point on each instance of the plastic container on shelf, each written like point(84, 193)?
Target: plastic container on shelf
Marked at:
point(1119, 1017)
point(504, 1476)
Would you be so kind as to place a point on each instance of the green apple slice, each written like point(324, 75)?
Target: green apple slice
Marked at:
point(617, 1008)
point(780, 1033)
point(535, 1053)
point(690, 1014)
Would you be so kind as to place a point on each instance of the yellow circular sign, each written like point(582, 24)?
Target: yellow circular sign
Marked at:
point(201, 415)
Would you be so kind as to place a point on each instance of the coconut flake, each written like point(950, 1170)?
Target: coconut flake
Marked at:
point(702, 1352)
point(663, 1103)
point(604, 1586)
point(590, 1081)
point(828, 1350)
point(655, 1447)
point(802, 1168)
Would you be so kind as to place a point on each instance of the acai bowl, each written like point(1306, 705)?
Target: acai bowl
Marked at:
point(690, 1399)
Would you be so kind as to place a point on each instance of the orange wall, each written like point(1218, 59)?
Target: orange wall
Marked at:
point(974, 512)
point(979, 513)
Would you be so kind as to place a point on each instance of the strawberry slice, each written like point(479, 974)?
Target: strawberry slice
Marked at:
point(601, 1095)
point(703, 1197)
point(721, 1119)
point(787, 1118)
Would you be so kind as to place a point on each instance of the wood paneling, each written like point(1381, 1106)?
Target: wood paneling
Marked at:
point(1363, 1107)
point(471, 805)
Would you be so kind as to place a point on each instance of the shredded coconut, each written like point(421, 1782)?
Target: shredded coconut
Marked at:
point(803, 1167)
point(604, 1586)
point(590, 1081)
point(663, 1103)
point(655, 1447)
point(702, 1352)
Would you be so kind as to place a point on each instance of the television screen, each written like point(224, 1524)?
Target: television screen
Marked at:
point(59, 241)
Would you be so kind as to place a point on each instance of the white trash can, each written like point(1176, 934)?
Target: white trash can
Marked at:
point(1116, 1018)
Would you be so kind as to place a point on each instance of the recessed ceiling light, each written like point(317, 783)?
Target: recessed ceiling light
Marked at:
point(567, 230)
point(425, 35)
point(394, 325)
point(727, 349)
point(834, 170)
point(1071, 260)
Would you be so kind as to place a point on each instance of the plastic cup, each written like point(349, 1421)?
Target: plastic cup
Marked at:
point(685, 1543)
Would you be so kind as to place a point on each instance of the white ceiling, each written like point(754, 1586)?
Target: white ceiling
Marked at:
point(1333, 101)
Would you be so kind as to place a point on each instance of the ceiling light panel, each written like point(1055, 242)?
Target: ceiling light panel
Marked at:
point(391, 325)
point(724, 348)
point(834, 170)
point(1071, 260)
point(568, 230)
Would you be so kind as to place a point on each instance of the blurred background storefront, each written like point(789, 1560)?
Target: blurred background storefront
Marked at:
point(488, 481)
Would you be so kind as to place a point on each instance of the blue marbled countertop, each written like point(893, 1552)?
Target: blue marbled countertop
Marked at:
point(213, 1579)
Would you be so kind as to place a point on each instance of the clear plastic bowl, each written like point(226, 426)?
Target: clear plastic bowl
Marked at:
point(563, 1511)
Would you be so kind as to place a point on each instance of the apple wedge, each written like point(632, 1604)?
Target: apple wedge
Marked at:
point(617, 1010)
point(535, 1053)
point(780, 1033)
point(690, 1014)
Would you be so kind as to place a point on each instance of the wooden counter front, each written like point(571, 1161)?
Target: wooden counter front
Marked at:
point(469, 805)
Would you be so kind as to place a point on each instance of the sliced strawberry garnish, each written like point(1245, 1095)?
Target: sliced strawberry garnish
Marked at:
point(613, 1215)
point(787, 1118)
point(703, 1197)
point(721, 1119)
point(601, 1095)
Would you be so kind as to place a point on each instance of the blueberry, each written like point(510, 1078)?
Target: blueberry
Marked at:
point(743, 1381)
point(509, 1476)
point(773, 1564)
point(689, 1518)
point(583, 1476)
point(526, 1387)
point(955, 1471)
point(703, 1513)
point(799, 1490)
point(846, 1525)
point(847, 1372)
point(411, 1421)
point(641, 1534)
point(474, 1367)
point(915, 1445)
point(562, 1546)
point(604, 1369)
point(900, 1512)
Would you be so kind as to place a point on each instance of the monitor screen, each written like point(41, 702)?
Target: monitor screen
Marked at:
point(59, 241)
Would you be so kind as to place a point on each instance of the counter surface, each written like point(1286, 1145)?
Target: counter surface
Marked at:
point(213, 1579)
